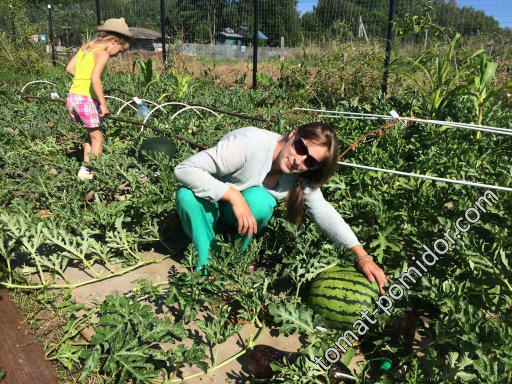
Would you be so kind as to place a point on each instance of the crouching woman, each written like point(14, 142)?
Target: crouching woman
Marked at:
point(241, 180)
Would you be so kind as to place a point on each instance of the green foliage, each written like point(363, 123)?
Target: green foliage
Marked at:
point(479, 87)
point(50, 222)
point(66, 351)
point(147, 72)
point(293, 319)
point(411, 16)
point(17, 53)
point(341, 31)
point(465, 325)
point(264, 80)
point(297, 263)
point(74, 24)
point(422, 22)
point(25, 236)
point(216, 328)
point(4, 92)
point(127, 341)
point(178, 84)
point(296, 318)
point(441, 79)
point(302, 371)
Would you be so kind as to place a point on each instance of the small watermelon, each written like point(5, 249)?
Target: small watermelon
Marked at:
point(340, 294)
point(157, 145)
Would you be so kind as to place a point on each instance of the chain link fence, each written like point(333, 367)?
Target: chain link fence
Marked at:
point(223, 30)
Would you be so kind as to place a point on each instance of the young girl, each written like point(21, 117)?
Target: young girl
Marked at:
point(241, 179)
point(85, 101)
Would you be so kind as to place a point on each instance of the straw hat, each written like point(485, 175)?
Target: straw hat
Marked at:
point(117, 26)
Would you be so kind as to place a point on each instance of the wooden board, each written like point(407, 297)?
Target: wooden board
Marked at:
point(21, 357)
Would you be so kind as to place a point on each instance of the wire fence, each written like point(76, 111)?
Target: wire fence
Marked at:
point(224, 29)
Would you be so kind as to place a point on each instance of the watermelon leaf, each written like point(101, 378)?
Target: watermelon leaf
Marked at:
point(294, 319)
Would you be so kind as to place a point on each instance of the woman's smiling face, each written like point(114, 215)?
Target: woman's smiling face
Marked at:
point(291, 162)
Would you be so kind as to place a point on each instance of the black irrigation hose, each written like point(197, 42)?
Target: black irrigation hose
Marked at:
point(236, 114)
point(120, 119)
point(181, 138)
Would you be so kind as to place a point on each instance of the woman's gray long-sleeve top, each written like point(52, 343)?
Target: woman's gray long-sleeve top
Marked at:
point(242, 159)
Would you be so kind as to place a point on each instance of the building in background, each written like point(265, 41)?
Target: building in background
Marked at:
point(146, 39)
point(228, 37)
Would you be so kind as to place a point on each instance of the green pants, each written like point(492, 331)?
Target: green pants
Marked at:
point(200, 217)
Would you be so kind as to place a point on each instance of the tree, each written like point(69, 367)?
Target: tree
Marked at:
point(466, 20)
point(280, 18)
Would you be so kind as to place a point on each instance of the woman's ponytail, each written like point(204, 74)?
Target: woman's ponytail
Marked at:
point(295, 202)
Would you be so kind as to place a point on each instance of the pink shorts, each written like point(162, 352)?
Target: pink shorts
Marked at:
point(84, 109)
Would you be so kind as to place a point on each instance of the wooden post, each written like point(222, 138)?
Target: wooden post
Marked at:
point(387, 62)
point(282, 47)
point(255, 45)
point(50, 35)
point(162, 28)
point(345, 56)
point(13, 25)
point(98, 12)
point(214, 29)
point(362, 30)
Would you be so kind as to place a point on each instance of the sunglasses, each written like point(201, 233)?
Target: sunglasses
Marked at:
point(301, 148)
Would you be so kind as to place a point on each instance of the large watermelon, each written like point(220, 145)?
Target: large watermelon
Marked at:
point(157, 145)
point(340, 294)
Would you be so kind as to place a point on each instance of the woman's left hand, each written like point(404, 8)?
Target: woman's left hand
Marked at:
point(373, 272)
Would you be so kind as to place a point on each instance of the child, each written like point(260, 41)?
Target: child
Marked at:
point(85, 101)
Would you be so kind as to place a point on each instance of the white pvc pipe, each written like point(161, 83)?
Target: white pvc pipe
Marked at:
point(346, 113)
point(124, 105)
point(192, 107)
point(114, 97)
point(497, 131)
point(36, 81)
point(356, 115)
point(150, 102)
point(121, 100)
point(457, 125)
point(131, 101)
point(163, 105)
point(442, 179)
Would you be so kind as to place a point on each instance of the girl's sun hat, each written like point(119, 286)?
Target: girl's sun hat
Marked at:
point(117, 26)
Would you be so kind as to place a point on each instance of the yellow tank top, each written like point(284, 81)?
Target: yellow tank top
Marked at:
point(83, 70)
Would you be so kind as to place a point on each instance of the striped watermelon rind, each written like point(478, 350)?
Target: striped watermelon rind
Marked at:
point(340, 294)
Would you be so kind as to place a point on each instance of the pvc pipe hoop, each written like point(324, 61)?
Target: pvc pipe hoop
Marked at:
point(131, 101)
point(192, 107)
point(35, 82)
point(161, 107)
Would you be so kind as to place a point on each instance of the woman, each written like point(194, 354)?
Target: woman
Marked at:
point(242, 178)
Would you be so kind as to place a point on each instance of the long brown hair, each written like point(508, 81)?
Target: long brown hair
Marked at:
point(103, 37)
point(320, 134)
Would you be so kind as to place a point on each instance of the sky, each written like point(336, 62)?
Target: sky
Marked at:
point(501, 10)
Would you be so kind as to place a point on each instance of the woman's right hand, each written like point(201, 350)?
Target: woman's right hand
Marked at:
point(246, 221)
